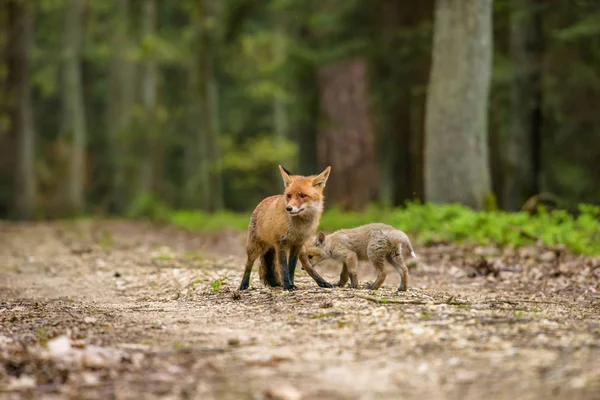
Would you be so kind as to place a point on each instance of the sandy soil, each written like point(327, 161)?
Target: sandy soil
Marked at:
point(117, 309)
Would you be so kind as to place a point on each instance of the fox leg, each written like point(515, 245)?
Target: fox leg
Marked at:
point(268, 272)
point(378, 262)
point(397, 261)
point(352, 264)
point(343, 276)
point(293, 260)
point(252, 253)
point(312, 272)
point(284, 269)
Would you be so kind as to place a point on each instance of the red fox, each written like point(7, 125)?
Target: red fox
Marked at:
point(373, 242)
point(279, 227)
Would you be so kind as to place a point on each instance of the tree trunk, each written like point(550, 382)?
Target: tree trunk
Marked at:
point(521, 154)
point(401, 61)
point(149, 94)
point(21, 115)
point(7, 147)
point(120, 100)
point(280, 116)
point(209, 106)
point(197, 182)
point(347, 139)
point(456, 141)
point(74, 110)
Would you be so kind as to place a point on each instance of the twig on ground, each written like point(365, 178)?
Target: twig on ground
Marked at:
point(382, 300)
point(452, 302)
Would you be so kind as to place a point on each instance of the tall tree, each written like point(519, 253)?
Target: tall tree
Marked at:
point(120, 100)
point(456, 137)
point(522, 141)
point(149, 88)
point(401, 37)
point(196, 178)
point(20, 37)
point(6, 142)
point(280, 115)
point(347, 139)
point(74, 122)
point(209, 94)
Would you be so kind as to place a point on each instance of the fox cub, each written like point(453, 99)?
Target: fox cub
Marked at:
point(279, 227)
point(373, 242)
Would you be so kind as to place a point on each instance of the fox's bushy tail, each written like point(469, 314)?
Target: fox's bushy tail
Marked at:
point(399, 237)
point(267, 271)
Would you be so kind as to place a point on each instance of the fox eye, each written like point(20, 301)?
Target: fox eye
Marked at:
point(302, 195)
point(310, 257)
point(289, 196)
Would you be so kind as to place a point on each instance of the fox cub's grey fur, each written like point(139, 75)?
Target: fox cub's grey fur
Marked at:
point(373, 242)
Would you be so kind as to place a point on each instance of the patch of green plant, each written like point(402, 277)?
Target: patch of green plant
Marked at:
point(425, 316)
point(579, 232)
point(318, 316)
point(202, 221)
point(164, 257)
point(217, 283)
point(42, 335)
point(193, 256)
point(197, 282)
point(106, 240)
point(146, 205)
point(463, 306)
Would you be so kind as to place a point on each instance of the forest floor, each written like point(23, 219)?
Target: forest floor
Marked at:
point(120, 309)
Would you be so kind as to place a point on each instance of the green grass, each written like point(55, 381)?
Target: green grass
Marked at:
point(217, 283)
point(430, 222)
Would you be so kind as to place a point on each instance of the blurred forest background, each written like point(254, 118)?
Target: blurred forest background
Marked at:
point(106, 104)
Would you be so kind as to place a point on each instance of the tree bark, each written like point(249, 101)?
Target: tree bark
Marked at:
point(522, 146)
point(7, 142)
point(21, 116)
point(456, 137)
point(120, 100)
point(280, 116)
point(210, 120)
point(74, 111)
point(149, 83)
point(197, 182)
point(346, 140)
point(401, 61)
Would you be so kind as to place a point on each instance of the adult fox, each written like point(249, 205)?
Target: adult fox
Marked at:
point(279, 227)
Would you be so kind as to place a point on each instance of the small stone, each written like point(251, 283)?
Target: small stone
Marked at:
point(236, 296)
point(24, 382)
point(547, 256)
point(233, 342)
point(59, 347)
point(90, 320)
point(93, 359)
point(283, 392)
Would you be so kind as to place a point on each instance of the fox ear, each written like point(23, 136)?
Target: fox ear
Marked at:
point(320, 237)
point(285, 174)
point(321, 179)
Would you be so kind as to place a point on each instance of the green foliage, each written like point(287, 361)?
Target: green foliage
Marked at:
point(430, 222)
point(148, 206)
point(217, 283)
point(203, 221)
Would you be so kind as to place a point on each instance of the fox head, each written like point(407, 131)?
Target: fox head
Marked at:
point(303, 195)
point(315, 251)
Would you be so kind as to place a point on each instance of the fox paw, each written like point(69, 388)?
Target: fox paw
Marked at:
point(290, 287)
point(324, 284)
point(244, 286)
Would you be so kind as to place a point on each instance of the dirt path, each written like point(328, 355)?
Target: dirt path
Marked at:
point(128, 310)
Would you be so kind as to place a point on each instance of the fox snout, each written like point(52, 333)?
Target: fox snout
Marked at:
point(293, 210)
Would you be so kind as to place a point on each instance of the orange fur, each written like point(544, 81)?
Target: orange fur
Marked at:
point(279, 227)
